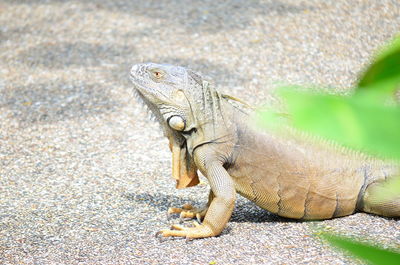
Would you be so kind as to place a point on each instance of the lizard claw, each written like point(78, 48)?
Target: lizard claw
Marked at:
point(199, 217)
point(157, 235)
point(168, 215)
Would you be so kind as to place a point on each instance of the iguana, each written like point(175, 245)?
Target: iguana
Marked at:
point(292, 177)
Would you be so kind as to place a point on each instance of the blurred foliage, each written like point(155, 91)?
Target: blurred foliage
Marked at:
point(360, 122)
point(384, 73)
point(372, 254)
point(367, 121)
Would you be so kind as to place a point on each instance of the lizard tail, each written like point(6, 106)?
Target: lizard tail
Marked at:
point(378, 199)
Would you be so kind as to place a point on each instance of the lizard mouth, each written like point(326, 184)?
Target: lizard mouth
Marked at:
point(138, 88)
point(134, 80)
point(135, 77)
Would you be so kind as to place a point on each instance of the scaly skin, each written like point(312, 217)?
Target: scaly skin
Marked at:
point(287, 174)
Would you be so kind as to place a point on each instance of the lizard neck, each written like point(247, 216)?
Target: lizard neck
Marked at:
point(211, 121)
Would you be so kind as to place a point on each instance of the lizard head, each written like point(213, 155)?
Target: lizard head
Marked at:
point(161, 84)
point(167, 91)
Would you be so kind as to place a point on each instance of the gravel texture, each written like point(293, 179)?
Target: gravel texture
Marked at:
point(85, 177)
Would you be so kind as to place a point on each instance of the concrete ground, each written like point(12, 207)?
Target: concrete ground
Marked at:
point(85, 176)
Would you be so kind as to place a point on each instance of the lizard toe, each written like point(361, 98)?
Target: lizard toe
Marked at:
point(198, 231)
point(187, 212)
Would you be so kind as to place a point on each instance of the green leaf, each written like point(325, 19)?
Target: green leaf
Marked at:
point(364, 251)
point(384, 72)
point(358, 122)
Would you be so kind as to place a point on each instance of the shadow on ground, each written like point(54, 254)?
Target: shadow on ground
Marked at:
point(117, 58)
point(55, 101)
point(206, 16)
point(245, 211)
point(59, 55)
point(214, 72)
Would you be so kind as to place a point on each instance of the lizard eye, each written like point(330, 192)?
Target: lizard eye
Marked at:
point(157, 74)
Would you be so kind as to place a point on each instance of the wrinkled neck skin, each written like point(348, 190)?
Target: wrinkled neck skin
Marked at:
point(160, 118)
point(209, 119)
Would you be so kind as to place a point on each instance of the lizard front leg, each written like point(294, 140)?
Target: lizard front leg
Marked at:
point(221, 206)
point(188, 211)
